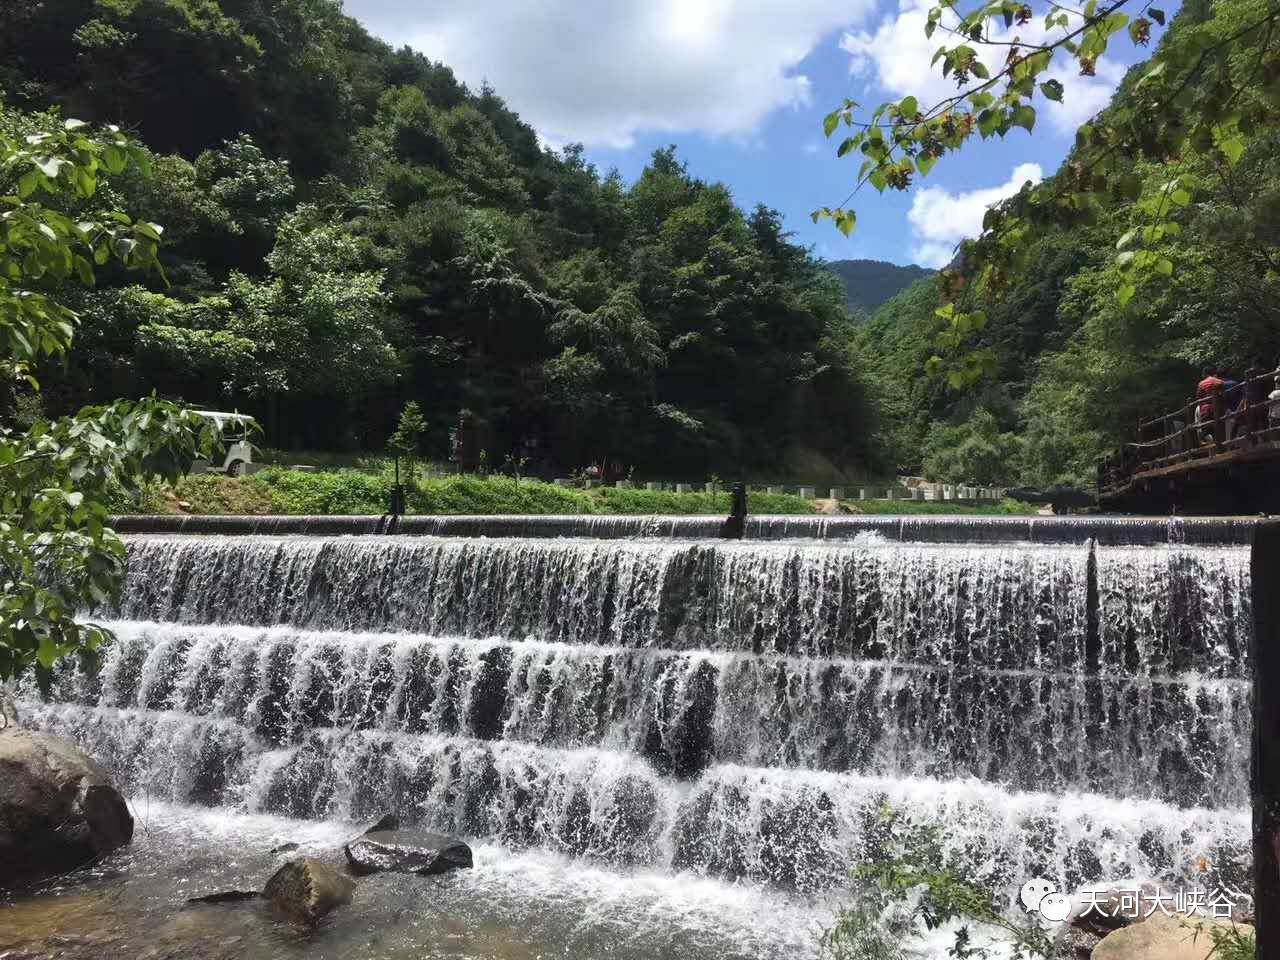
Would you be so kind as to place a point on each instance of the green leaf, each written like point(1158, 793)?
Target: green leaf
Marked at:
point(27, 184)
point(1052, 89)
point(1164, 267)
point(909, 107)
point(830, 122)
point(1024, 116)
point(925, 162)
point(1156, 14)
point(1232, 148)
point(1125, 293)
point(47, 652)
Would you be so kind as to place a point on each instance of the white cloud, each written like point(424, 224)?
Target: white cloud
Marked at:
point(941, 219)
point(897, 56)
point(601, 73)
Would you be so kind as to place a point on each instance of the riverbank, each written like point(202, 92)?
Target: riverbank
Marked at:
point(281, 491)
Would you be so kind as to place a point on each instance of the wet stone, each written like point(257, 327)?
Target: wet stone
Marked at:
point(407, 851)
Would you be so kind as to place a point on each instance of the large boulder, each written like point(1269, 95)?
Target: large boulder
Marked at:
point(1164, 937)
point(1101, 911)
point(308, 889)
point(58, 809)
point(406, 851)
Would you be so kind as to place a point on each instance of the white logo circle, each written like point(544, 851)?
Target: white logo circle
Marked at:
point(1055, 907)
point(1034, 891)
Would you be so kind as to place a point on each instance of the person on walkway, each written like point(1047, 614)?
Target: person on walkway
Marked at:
point(1256, 383)
point(1210, 384)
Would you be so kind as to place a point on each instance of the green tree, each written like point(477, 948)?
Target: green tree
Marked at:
point(406, 442)
point(971, 452)
point(57, 554)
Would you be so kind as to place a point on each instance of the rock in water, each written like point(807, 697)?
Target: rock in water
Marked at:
point(387, 822)
point(58, 809)
point(406, 851)
point(1164, 938)
point(308, 889)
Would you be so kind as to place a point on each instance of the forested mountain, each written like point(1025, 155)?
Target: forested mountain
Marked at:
point(869, 283)
point(1076, 364)
point(348, 227)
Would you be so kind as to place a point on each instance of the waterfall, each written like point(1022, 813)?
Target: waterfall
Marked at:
point(1078, 711)
point(923, 529)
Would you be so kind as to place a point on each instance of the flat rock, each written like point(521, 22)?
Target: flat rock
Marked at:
point(1164, 938)
point(58, 809)
point(308, 889)
point(406, 851)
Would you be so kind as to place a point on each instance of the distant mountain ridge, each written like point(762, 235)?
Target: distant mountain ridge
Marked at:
point(869, 283)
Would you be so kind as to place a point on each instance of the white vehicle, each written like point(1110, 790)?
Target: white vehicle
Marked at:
point(235, 429)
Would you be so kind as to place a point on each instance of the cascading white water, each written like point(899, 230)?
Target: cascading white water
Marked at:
point(734, 709)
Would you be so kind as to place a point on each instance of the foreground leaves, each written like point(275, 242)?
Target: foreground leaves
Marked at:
point(58, 557)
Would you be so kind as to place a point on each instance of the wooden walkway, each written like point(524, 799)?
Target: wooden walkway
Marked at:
point(1234, 427)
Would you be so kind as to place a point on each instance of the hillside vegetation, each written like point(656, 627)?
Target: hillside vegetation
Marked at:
point(1075, 363)
point(348, 228)
point(869, 283)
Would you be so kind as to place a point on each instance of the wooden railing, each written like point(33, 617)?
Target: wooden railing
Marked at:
point(1227, 425)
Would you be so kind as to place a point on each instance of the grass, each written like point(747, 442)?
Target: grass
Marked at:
point(345, 492)
point(339, 492)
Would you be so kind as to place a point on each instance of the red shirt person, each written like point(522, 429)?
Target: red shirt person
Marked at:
point(1205, 389)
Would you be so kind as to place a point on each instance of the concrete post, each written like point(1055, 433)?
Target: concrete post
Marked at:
point(777, 489)
point(712, 487)
point(837, 493)
point(684, 488)
point(864, 493)
point(653, 485)
point(917, 493)
point(1264, 653)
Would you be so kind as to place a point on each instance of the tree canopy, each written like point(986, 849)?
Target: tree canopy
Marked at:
point(1094, 298)
point(351, 229)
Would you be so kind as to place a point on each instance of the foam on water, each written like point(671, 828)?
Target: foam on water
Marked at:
point(688, 721)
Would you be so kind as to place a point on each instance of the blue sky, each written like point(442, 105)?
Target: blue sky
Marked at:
point(741, 87)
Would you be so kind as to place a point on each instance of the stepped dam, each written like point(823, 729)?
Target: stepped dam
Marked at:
point(681, 746)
